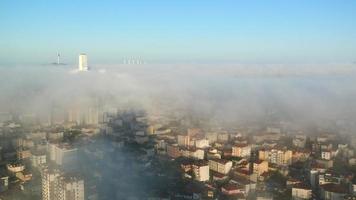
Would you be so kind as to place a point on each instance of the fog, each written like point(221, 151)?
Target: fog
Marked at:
point(224, 93)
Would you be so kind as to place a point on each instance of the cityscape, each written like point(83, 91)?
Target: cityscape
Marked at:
point(177, 100)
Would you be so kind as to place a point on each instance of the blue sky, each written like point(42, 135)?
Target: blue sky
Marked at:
point(209, 31)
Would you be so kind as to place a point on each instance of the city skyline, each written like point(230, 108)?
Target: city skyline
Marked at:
point(177, 100)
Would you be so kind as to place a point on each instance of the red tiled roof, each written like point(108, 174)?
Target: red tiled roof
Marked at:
point(336, 188)
point(259, 161)
point(230, 186)
point(222, 161)
point(301, 186)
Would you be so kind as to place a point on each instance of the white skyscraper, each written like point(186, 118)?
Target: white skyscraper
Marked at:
point(63, 155)
point(83, 62)
point(59, 186)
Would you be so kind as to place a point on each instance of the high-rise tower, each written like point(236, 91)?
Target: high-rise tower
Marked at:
point(83, 62)
point(57, 185)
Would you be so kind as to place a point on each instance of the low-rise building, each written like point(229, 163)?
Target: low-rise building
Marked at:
point(220, 165)
point(173, 150)
point(332, 191)
point(192, 153)
point(260, 167)
point(4, 183)
point(201, 143)
point(23, 154)
point(276, 156)
point(231, 189)
point(241, 150)
point(201, 171)
point(301, 192)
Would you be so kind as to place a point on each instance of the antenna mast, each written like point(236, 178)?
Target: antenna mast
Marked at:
point(58, 58)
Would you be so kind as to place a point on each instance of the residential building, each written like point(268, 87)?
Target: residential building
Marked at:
point(183, 140)
point(276, 156)
point(201, 171)
point(59, 186)
point(301, 192)
point(173, 150)
point(241, 150)
point(38, 159)
point(201, 143)
point(192, 153)
point(4, 183)
point(260, 167)
point(332, 191)
point(220, 165)
point(326, 155)
point(64, 155)
point(23, 154)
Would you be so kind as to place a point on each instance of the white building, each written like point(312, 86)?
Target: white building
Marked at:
point(90, 115)
point(16, 167)
point(241, 150)
point(38, 159)
point(331, 191)
point(58, 186)
point(326, 155)
point(70, 188)
point(300, 141)
point(83, 62)
point(63, 155)
point(201, 171)
point(183, 140)
point(193, 153)
point(201, 143)
point(219, 165)
point(223, 137)
point(276, 156)
point(301, 192)
point(48, 184)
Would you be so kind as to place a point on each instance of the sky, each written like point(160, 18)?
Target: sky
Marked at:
point(178, 31)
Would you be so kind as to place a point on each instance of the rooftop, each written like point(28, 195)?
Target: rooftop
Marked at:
point(335, 188)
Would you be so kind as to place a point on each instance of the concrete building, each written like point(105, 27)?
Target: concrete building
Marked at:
point(23, 154)
point(232, 189)
point(49, 178)
point(223, 137)
point(15, 167)
point(83, 62)
point(201, 143)
point(63, 155)
point(4, 183)
point(183, 140)
point(70, 188)
point(192, 153)
point(260, 167)
point(331, 191)
point(58, 186)
point(173, 151)
point(301, 192)
point(90, 115)
point(241, 150)
point(299, 141)
point(326, 155)
point(38, 159)
point(220, 165)
point(276, 156)
point(201, 171)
